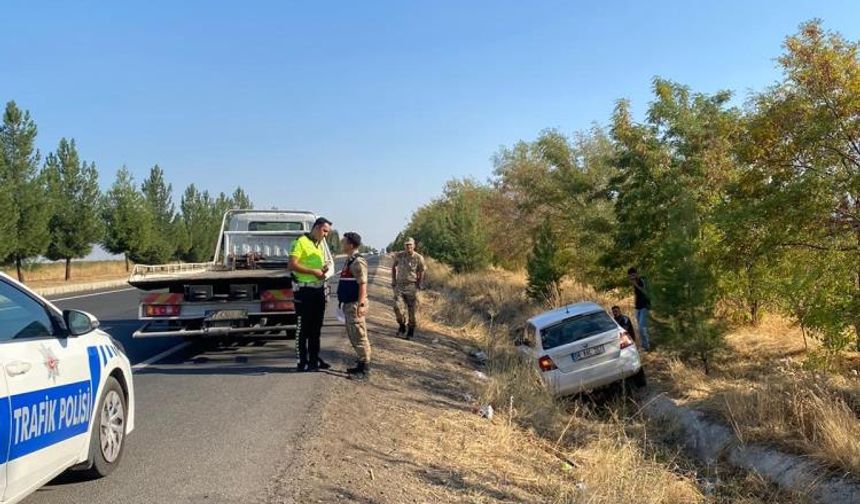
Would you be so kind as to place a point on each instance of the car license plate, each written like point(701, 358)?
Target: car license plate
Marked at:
point(587, 352)
point(219, 315)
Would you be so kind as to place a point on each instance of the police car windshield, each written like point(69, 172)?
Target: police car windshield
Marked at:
point(575, 329)
point(275, 226)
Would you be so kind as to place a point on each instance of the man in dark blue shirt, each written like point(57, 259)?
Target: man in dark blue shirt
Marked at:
point(642, 304)
point(624, 321)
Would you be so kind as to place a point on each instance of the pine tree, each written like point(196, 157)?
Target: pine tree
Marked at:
point(333, 240)
point(198, 215)
point(167, 240)
point(74, 188)
point(683, 288)
point(8, 228)
point(241, 200)
point(546, 266)
point(128, 224)
point(31, 207)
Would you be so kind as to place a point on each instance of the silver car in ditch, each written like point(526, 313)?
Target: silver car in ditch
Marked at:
point(580, 347)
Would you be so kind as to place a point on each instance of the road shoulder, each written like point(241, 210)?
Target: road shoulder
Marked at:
point(412, 434)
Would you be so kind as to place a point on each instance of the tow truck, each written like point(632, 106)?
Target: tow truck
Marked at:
point(246, 290)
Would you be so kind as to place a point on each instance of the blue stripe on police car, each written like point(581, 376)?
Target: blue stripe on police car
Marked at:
point(35, 420)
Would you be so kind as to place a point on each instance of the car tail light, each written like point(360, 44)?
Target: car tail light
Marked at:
point(162, 310)
point(546, 363)
point(626, 340)
point(276, 306)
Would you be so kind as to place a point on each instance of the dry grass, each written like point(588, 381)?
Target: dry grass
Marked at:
point(615, 456)
point(765, 389)
point(47, 274)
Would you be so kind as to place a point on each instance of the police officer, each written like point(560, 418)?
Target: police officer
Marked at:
point(309, 265)
point(407, 277)
point(352, 295)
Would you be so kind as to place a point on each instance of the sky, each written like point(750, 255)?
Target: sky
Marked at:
point(360, 111)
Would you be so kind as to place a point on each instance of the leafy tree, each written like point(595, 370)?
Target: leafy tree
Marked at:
point(31, 208)
point(128, 223)
point(199, 214)
point(168, 241)
point(804, 151)
point(546, 266)
point(74, 188)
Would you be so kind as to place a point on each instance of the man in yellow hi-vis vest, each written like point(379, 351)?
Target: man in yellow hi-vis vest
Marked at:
point(310, 265)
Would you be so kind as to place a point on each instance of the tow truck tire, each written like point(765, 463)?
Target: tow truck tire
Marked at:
point(108, 432)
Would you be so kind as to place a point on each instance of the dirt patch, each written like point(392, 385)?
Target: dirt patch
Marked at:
point(411, 434)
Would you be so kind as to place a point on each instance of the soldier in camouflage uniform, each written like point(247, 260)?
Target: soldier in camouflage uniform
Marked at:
point(352, 295)
point(407, 277)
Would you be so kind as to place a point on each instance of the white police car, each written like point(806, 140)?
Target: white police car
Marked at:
point(66, 395)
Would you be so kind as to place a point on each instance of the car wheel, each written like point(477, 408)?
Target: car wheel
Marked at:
point(639, 379)
point(107, 436)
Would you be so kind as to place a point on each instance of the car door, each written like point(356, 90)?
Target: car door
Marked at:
point(4, 427)
point(49, 384)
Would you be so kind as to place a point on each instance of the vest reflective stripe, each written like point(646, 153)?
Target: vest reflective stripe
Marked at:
point(310, 255)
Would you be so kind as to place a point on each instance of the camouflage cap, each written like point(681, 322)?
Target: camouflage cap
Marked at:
point(409, 241)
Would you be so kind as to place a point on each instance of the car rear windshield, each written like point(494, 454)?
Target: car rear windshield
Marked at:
point(575, 329)
point(275, 226)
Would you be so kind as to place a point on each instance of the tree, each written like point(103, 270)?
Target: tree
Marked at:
point(8, 225)
point(199, 217)
point(546, 266)
point(168, 240)
point(31, 209)
point(74, 188)
point(128, 223)
point(333, 240)
point(804, 151)
point(241, 200)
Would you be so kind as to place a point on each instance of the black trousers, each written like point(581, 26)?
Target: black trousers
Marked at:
point(310, 309)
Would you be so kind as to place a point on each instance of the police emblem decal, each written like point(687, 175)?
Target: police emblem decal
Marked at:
point(52, 363)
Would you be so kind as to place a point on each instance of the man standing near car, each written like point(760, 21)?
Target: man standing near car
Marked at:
point(642, 304)
point(352, 295)
point(624, 321)
point(309, 265)
point(407, 277)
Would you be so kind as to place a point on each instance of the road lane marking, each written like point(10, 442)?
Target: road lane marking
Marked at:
point(92, 295)
point(156, 358)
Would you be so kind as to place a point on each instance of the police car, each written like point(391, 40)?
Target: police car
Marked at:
point(66, 395)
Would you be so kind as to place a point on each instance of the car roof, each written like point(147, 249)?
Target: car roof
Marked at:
point(550, 317)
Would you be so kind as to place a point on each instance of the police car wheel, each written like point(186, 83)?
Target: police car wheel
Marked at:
point(107, 440)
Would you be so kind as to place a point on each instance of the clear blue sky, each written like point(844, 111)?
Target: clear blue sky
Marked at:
point(362, 110)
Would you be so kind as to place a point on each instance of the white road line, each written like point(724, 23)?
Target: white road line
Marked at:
point(156, 358)
point(92, 295)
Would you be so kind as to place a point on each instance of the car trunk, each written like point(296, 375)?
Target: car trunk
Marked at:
point(582, 341)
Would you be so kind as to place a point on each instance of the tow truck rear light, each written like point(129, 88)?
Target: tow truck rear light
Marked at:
point(276, 306)
point(546, 363)
point(626, 340)
point(162, 310)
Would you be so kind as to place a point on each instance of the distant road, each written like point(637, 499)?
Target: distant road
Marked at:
point(213, 425)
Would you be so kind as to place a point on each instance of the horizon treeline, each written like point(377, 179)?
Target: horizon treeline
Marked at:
point(52, 206)
point(728, 210)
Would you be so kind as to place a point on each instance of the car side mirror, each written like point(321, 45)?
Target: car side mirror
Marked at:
point(79, 322)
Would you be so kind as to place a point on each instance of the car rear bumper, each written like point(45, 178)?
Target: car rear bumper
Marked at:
point(626, 365)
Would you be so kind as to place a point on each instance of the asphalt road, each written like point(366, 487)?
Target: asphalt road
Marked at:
point(213, 425)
